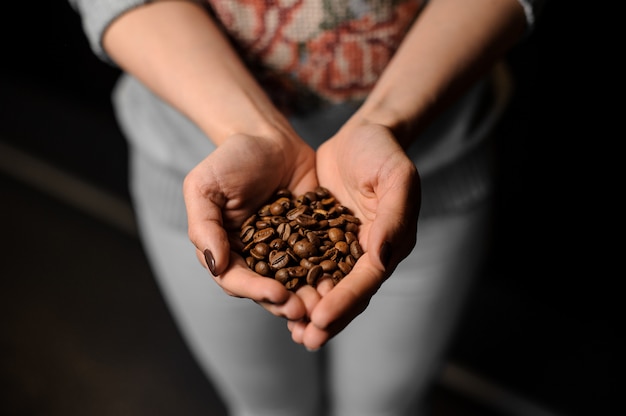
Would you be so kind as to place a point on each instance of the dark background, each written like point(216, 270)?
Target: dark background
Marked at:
point(541, 322)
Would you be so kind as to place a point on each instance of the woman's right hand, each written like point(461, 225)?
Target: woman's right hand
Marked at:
point(224, 190)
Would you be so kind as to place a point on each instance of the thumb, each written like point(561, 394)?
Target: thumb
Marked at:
point(392, 235)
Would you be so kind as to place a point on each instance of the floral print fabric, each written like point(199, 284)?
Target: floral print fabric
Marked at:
point(333, 50)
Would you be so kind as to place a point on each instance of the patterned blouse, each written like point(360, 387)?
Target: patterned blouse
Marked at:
point(310, 52)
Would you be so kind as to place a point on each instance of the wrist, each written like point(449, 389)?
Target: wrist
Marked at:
point(402, 125)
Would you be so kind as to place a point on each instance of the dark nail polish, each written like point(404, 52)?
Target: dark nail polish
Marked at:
point(385, 253)
point(210, 261)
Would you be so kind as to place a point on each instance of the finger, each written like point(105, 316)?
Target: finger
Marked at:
point(238, 280)
point(292, 309)
point(205, 225)
point(393, 231)
point(310, 297)
point(349, 297)
point(297, 329)
point(324, 285)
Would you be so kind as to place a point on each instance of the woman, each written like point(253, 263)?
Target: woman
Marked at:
point(388, 104)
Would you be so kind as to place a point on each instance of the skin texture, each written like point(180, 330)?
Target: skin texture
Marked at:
point(176, 50)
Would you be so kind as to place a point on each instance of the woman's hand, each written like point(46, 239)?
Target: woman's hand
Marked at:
point(367, 171)
point(224, 190)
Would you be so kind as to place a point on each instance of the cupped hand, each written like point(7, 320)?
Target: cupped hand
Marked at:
point(224, 190)
point(368, 171)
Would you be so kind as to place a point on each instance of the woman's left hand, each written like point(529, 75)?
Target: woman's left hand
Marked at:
point(368, 171)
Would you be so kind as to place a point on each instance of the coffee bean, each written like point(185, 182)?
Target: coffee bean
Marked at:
point(264, 234)
point(297, 271)
point(282, 276)
point(336, 234)
point(299, 239)
point(262, 268)
point(260, 251)
point(343, 247)
point(328, 265)
point(277, 244)
point(356, 250)
point(284, 231)
point(344, 267)
point(314, 275)
point(304, 248)
point(296, 212)
point(278, 260)
point(247, 233)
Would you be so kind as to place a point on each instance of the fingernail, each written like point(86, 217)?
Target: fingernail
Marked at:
point(210, 261)
point(385, 253)
point(312, 349)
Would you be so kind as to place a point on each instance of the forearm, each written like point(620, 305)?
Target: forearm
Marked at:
point(177, 50)
point(452, 43)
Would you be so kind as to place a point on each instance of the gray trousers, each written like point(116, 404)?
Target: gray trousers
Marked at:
point(381, 364)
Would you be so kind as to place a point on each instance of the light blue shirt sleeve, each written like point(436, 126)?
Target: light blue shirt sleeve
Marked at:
point(532, 9)
point(97, 15)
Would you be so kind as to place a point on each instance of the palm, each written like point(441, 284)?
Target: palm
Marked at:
point(369, 172)
point(226, 188)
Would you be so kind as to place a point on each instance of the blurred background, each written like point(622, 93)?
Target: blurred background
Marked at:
point(84, 330)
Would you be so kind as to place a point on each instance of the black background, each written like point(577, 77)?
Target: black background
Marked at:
point(542, 321)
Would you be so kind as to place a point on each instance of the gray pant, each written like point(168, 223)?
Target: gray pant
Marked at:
point(379, 365)
point(384, 361)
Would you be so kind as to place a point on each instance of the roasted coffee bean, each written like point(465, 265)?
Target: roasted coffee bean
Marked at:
point(280, 206)
point(265, 211)
point(356, 250)
point(262, 268)
point(298, 240)
point(250, 221)
point(293, 284)
point(322, 192)
point(261, 224)
point(344, 267)
point(352, 227)
point(337, 276)
point(328, 265)
point(282, 276)
point(284, 192)
point(297, 271)
point(250, 261)
point(264, 235)
point(278, 259)
point(276, 220)
point(314, 275)
point(294, 258)
point(306, 221)
point(331, 254)
point(277, 244)
point(336, 222)
point(284, 231)
point(247, 234)
point(306, 263)
point(296, 212)
point(343, 247)
point(304, 248)
point(312, 195)
point(293, 239)
point(336, 234)
point(260, 251)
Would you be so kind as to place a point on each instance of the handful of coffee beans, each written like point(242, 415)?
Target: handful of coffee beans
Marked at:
point(297, 240)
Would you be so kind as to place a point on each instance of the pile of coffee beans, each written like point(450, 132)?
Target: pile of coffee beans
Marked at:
point(298, 239)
